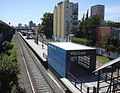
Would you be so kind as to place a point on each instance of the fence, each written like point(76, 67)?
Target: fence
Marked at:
point(80, 85)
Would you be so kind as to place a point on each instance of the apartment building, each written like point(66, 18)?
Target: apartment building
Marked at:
point(65, 21)
point(98, 10)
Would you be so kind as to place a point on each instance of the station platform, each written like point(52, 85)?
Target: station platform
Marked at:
point(84, 80)
point(40, 48)
point(41, 51)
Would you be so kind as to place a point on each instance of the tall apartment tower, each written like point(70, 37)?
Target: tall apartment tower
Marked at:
point(98, 10)
point(65, 21)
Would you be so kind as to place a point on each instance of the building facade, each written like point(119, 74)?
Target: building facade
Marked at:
point(98, 10)
point(20, 26)
point(65, 21)
point(31, 24)
point(102, 32)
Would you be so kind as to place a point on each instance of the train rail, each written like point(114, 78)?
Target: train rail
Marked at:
point(39, 80)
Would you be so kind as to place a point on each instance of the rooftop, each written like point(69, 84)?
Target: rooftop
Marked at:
point(98, 5)
point(71, 46)
point(3, 23)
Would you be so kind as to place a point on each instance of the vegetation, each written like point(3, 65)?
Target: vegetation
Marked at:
point(46, 26)
point(5, 47)
point(87, 28)
point(103, 59)
point(111, 24)
point(8, 73)
point(110, 43)
point(81, 41)
point(87, 33)
point(8, 67)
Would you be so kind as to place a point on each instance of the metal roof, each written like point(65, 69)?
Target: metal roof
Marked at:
point(1, 22)
point(5, 25)
point(113, 62)
point(71, 46)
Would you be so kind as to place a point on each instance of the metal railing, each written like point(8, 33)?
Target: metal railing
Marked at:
point(80, 85)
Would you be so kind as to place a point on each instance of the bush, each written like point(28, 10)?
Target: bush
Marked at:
point(9, 68)
point(14, 89)
point(8, 73)
point(81, 41)
point(5, 47)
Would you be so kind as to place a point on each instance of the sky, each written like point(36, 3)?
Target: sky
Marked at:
point(23, 11)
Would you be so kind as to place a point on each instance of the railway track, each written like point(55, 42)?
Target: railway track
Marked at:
point(39, 81)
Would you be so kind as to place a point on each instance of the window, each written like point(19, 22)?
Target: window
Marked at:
point(84, 61)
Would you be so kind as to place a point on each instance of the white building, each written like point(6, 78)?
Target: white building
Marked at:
point(65, 21)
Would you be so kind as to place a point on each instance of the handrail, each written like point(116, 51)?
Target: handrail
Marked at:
point(80, 85)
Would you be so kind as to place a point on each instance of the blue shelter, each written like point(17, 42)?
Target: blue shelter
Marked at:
point(67, 57)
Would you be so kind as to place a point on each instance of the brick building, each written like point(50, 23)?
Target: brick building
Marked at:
point(102, 32)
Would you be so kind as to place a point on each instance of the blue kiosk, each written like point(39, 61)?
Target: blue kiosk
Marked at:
point(67, 57)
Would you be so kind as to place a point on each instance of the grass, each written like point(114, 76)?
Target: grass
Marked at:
point(12, 52)
point(13, 42)
point(12, 55)
point(103, 59)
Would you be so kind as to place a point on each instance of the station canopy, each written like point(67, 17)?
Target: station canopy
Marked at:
point(71, 46)
point(3, 25)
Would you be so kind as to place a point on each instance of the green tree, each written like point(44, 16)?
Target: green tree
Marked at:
point(81, 41)
point(8, 74)
point(111, 24)
point(47, 24)
point(87, 15)
point(110, 43)
point(4, 48)
point(93, 23)
point(88, 27)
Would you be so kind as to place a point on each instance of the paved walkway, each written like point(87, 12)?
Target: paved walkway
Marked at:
point(40, 48)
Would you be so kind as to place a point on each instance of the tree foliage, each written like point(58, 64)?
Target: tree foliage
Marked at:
point(8, 73)
point(8, 67)
point(5, 47)
point(47, 25)
point(81, 41)
point(110, 43)
point(88, 27)
point(111, 24)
